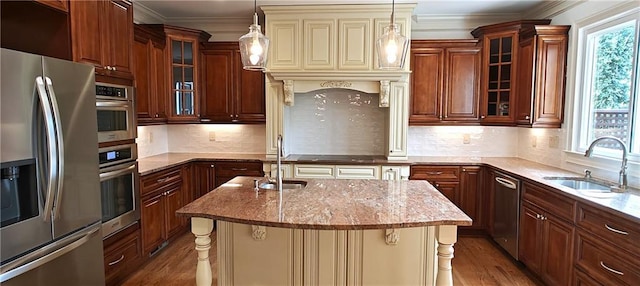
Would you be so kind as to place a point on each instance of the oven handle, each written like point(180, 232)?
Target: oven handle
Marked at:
point(113, 103)
point(112, 174)
point(60, 150)
point(50, 127)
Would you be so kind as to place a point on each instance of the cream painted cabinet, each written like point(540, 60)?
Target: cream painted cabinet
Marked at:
point(353, 36)
point(285, 50)
point(398, 121)
point(357, 172)
point(395, 173)
point(314, 171)
point(319, 44)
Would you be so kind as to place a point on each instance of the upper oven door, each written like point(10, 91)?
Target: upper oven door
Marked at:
point(116, 120)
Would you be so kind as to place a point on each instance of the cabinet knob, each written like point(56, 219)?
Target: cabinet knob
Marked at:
point(157, 115)
point(464, 170)
point(440, 117)
point(113, 68)
point(213, 166)
point(482, 117)
point(231, 115)
point(390, 151)
point(437, 185)
point(527, 117)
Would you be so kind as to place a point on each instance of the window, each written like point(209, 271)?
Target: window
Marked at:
point(608, 95)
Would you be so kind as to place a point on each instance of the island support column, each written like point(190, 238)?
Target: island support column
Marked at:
point(446, 236)
point(202, 228)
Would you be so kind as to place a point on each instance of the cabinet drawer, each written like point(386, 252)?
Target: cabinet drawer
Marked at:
point(614, 229)
point(435, 173)
point(549, 200)
point(314, 171)
point(357, 172)
point(152, 182)
point(122, 257)
point(606, 265)
point(232, 169)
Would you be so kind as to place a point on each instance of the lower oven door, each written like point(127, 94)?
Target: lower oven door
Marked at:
point(116, 120)
point(120, 197)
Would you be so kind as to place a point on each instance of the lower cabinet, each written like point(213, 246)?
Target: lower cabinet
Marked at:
point(546, 239)
point(227, 170)
point(122, 254)
point(158, 219)
point(204, 178)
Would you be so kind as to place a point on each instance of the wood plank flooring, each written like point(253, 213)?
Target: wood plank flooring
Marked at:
point(477, 262)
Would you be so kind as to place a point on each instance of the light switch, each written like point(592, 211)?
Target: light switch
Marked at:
point(554, 141)
point(466, 139)
point(534, 141)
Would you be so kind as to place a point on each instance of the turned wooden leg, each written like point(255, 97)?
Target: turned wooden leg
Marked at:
point(202, 228)
point(446, 236)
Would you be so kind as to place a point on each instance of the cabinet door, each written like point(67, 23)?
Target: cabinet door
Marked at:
point(158, 88)
point(354, 44)
point(204, 174)
point(217, 100)
point(141, 71)
point(427, 67)
point(498, 78)
point(530, 241)
point(557, 254)
point(319, 44)
point(152, 223)
point(174, 200)
point(449, 190)
point(87, 32)
point(285, 38)
point(470, 197)
point(120, 26)
point(462, 93)
point(183, 59)
point(249, 103)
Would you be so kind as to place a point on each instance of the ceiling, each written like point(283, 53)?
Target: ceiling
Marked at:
point(244, 8)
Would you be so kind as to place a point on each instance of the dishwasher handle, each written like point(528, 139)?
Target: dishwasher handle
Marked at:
point(507, 183)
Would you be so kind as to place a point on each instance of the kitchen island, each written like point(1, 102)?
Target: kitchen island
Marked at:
point(336, 232)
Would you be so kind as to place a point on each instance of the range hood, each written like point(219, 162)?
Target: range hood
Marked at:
point(315, 47)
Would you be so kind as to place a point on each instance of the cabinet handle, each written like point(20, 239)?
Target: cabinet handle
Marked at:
point(544, 218)
point(610, 269)
point(434, 173)
point(117, 261)
point(464, 170)
point(205, 120)
point(113, 68)
point(160, 181)
point(615, 230)
point(239, 169)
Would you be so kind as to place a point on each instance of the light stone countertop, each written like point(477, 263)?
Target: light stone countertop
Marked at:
point(627, 204)
point(331, 204)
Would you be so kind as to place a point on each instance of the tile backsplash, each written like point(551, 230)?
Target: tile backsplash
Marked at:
point(336, 122)
point(469, 141)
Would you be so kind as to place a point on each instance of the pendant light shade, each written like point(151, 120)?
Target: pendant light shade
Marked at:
point(392, 46)
point(254, 46)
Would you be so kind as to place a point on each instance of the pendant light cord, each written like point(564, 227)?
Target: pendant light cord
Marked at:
point(393, 10)
point(255, 10)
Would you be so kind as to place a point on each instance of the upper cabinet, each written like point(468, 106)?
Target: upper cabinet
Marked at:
point(150, 72)
point(183, 70)
point(230, 94)
point(338, 40)
point(62, 5)
point(445, 82)
point(523, 73)
point(541, 82)
point(102, 35)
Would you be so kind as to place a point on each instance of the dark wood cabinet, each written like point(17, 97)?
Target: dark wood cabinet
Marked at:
point(542, 61)
point(462, 185)
point(445, 82)
point(204, 178)
point(122, 254)
point(150, 73)
point(230, 93)
point(61, 5)
point(546, 236)
point(227, 170)
point(102, 35)
point(162, 193)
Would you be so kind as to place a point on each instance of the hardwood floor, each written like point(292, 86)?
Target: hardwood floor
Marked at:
point(477, 262)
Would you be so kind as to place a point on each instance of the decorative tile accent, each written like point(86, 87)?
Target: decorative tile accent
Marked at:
point(336, 122)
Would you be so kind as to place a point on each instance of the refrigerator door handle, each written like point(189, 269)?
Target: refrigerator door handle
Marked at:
point(51, 148)
point(46, 254)
point(60, 148)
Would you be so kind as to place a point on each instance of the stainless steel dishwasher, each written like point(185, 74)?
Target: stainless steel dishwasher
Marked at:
point(506, 214)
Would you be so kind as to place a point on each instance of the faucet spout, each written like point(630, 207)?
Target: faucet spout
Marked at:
point(279, 163)
point(622, 178)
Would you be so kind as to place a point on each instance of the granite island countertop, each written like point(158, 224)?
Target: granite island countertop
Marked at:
point(330, 204)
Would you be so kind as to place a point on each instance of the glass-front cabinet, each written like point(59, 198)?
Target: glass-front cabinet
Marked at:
point(497, 91)
point(183, 52)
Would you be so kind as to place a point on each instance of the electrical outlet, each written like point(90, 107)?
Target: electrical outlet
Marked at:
point(554, 141)
point(466, 139)
point(534, 141)
point(150, 137)
point(212, 136)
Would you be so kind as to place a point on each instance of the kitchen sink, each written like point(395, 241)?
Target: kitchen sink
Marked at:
point(584, 186)
point(286, 185)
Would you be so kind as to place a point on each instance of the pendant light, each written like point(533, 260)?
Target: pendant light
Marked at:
point(254, 46)
point(392, 46)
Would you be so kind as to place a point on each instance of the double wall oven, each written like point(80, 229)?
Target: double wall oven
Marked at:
point(117, 156)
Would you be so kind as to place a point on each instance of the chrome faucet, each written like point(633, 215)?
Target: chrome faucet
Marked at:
point(279, 162)
point(622, 179)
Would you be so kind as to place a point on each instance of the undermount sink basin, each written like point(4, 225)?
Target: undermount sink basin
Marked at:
point(584, 186)
point(286, 185)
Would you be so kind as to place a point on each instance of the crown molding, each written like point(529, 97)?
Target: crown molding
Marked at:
point(551, 9)
point(143, 15)
point(458, 22)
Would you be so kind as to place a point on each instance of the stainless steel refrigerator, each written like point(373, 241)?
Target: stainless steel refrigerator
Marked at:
point(50, 204)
